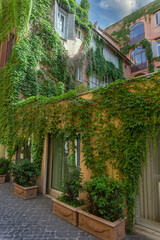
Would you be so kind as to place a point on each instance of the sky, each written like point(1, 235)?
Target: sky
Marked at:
point(107, 12)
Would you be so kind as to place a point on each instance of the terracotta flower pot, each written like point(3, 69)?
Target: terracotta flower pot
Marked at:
point(101, 228)
point(65, 211)
point(2, 178)
point(25, 192)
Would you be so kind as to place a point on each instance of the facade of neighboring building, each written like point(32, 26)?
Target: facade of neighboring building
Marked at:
point(140, 32)
point(72, 37)
point(144, 24)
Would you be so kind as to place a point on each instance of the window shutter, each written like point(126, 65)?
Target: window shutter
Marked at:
point(71, 26)
point(56, 16)
point(81, 75)
point(77, 74)
point(3, 54)
point(158, 18)
point(154, 49)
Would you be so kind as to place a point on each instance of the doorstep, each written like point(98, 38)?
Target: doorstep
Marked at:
point(146, 232)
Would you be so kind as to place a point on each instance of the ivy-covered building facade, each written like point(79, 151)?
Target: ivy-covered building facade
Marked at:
point(50, 54)
point(49, 48)
point(139, 37)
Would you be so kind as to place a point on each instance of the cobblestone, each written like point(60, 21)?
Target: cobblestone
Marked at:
point(33, 220)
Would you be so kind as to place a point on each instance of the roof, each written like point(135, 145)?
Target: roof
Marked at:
point(113, 47)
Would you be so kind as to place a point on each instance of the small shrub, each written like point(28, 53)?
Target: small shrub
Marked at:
point(106, 197)
point(72, 186)
point(4, 166)
point(25, 173)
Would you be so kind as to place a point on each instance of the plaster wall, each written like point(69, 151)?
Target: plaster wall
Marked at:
point(74, 47)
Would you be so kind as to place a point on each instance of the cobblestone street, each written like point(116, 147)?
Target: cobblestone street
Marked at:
point(33, 220)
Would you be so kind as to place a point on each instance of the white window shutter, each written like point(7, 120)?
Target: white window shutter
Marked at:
point(71, 26)
point(77, 73)
point(56, 16)
point(154, 49)
point(81, 75)
point(94, 44)
point(158, 18)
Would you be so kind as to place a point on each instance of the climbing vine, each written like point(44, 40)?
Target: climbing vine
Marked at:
point(99, 66)
point(114, 125)
point(122, 35)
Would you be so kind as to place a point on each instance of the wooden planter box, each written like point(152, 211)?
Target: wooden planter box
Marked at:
point(2, 178)
point(101, 228)
point(25, 192)
point(66, 212)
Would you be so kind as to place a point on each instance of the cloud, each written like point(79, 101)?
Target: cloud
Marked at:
point(123, 7)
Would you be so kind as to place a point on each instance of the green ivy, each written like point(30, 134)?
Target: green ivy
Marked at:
point(99, 66)
point(122, 34)
point(114, 127)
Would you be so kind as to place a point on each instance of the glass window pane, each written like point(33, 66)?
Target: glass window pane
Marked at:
point(138, 49)
point(141, 30)
point(136, 32)
point(143, 57)
point(131, 35)
point(158, 50)
point(136, 25)
point(60, 153)
point(138, 59)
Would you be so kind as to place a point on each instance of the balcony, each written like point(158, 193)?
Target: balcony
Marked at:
point(139, 67)
point(137, 38)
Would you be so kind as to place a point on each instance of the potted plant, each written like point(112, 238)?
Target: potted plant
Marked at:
point(104, 218)
point(4, 166)
point(65, 206)
point(25, 174)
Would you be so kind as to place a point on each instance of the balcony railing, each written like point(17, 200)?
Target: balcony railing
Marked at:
point(136, 68)
point(137, 38)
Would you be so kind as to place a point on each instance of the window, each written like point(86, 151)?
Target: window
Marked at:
point(107, 80)
point(157, 18)
point(137, 32)
point(94, 44)
point(24, 152)
point(156, 49)
point(94, 82)
point(138, 58)
point(79, 74)
point(110, 56)
point(79, 33)
point(61, 24)
point(77, 151)
point(64, 23)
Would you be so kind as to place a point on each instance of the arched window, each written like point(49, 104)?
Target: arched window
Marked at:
point(138, 58)
point(137, 32)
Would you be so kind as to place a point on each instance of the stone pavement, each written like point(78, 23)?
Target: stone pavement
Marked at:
point(33, 220)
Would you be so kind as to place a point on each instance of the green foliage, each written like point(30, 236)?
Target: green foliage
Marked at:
point(99, 66)
point(85, 5)
point(106, 197)
point(25, 172)
point(148, 50)
point(4, 165)
point(72, 185)
point(114, 127)
point(122, 35)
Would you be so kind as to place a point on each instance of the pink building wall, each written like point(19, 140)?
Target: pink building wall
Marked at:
point(152, 33)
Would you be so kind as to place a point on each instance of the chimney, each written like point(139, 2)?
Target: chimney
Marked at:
point(96, 25)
